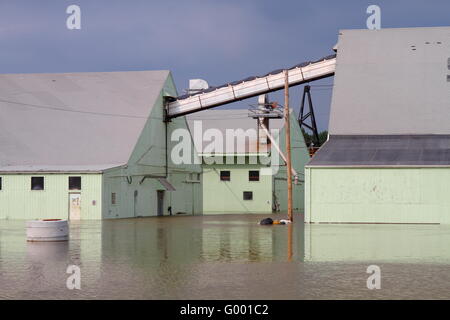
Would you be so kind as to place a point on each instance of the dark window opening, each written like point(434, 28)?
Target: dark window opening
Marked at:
point(74, 183)
point(37, 183)
point(0, 183)
point(248, 195)
point(113, 198)
point(225, 175)
point(253, 175)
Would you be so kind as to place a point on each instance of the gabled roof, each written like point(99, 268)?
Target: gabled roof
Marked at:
point(74, 121)
point(390, 104)
point(232, 119)
point(392, 81)
point(383, 151)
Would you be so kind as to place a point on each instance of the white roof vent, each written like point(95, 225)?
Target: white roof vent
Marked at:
point(196, 85)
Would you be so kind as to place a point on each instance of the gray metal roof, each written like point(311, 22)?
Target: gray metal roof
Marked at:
point(392, 81)
point(74, 121)
point(383, 150)
point(223, 119)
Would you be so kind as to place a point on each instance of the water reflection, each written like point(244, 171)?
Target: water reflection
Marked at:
point(386, 243)
point(223, 257)
point(192, 239)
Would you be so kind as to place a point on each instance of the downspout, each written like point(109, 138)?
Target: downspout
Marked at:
point(167, 156)
point(166, 101)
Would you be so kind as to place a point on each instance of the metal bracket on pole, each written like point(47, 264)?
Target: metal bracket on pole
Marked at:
point(277, 147)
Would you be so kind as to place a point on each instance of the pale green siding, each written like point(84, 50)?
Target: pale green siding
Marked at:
point(135, 196)
point(299, 158)
point(18, 201)
point(223, 197)
point(378, 195)
point(184, 200)
point(149, 158)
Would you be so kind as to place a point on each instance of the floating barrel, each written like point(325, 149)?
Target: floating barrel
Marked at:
point(48, 230)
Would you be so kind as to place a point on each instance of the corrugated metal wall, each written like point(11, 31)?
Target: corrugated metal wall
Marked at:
point(223, 197)
point(378, 195)
point(18, 201)
point(149, 158)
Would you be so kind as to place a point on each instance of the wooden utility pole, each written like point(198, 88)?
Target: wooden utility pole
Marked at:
point(288, 143)
point(290, 248)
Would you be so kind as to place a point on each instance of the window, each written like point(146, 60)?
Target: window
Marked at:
point(37, 183)
point(113, 198)
point(74, 183)
point(253, 175)
point(224, 175)
point(248, 195)
point(193, 177)
point(0, 183)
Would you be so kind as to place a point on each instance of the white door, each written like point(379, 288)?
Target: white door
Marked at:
point(74, 206)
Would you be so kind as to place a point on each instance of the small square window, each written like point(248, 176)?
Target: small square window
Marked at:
point(113, 198)
point(225, 176)
point(37, 183)
point(248, 195)
point(253, 175)
point(74, 183)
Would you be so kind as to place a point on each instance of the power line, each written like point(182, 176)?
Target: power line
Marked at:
point(54, 108)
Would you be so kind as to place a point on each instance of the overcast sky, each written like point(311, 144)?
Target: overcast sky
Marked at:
point(219, 41)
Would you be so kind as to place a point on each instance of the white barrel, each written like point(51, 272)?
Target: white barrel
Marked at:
point(47, 230)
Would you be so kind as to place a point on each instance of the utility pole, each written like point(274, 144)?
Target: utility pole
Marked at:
point(288, 143)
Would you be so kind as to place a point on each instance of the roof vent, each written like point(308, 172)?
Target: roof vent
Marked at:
point(196, 85)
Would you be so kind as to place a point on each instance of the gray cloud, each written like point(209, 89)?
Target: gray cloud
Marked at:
point(220, 41)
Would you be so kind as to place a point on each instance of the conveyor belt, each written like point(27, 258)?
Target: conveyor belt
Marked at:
point(251, 87)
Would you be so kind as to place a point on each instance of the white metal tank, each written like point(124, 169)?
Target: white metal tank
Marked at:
point(48, 230)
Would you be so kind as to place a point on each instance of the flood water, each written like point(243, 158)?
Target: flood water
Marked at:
point(226, 257)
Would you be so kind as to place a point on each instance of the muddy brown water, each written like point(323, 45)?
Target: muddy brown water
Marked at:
point(226, 257)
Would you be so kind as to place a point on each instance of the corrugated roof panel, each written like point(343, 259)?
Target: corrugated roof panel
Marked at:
point(392, 81)
point(74, 121)
point(398, 150)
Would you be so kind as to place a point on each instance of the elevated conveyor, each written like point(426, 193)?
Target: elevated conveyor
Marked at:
point(251, 87)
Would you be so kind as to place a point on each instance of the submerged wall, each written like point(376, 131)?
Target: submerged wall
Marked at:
point(223, 197)
point(378, 195)
point(18, 201)
point(136, 196)
point(299, 157)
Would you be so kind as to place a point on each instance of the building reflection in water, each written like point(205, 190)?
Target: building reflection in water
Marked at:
point(377, 242)
point(180, 257)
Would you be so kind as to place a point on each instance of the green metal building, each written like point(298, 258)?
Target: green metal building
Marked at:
point(91, 146)
point(242, 184)
point(387, 158)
